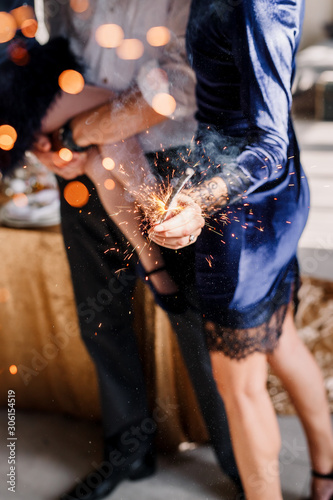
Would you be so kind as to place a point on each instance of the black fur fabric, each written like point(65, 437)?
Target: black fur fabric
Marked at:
point(26, 92)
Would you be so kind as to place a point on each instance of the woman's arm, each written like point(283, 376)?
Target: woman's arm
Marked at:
point(263, 44)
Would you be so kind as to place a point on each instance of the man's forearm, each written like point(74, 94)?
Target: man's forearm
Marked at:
point(125, 116)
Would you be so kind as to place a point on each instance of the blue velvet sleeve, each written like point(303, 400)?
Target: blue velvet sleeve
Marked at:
point(264, 45)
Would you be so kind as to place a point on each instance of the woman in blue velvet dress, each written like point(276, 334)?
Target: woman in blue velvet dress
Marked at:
point(252, 185)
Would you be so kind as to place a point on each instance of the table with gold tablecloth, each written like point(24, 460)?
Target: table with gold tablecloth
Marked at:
point(40, 336)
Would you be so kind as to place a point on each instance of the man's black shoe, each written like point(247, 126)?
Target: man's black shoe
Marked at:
point(102, 481)
point(143, 467)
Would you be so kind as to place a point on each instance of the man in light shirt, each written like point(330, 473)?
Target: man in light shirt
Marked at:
point(89, 233)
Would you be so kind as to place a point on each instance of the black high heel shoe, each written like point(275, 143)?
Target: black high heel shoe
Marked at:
point(328, 477)
point(171, 302)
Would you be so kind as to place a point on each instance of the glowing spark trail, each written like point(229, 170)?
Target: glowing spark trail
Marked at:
point(170, 204)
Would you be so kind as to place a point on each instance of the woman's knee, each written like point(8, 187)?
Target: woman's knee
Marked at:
point(240, 381)
point(241, 396)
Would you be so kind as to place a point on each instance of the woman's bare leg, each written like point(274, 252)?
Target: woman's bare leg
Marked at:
point(295, 366)
point(131, 168)
point(253, 424)
point(252, 420)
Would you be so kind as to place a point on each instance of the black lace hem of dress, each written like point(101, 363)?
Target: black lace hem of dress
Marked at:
point(240, 343)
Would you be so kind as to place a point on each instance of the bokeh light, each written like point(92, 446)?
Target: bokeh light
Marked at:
point(130, 49)
point(58, 162)
point(23, 13)
point(108, 163)
point(156, 78)
point(8, 137)
point(13, 369)
point(158, 36)
point(19, 55)
point(65, 154)
point(4, 295)
point(20, 200)
point(109, 35)
point(164, 104)
point(71, 81)
point(29, 28)
point(109, 184)
point(76, 194)
point(7, 27)
point(79, 6)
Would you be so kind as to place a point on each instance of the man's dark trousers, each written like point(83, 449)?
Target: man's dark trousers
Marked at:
point(95, 249)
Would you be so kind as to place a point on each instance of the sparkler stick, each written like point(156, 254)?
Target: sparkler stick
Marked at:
point(171, 201)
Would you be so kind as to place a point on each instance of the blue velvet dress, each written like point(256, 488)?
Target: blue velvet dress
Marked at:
point(243, 53)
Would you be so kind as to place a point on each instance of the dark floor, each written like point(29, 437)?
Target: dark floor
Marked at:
point(53, 451)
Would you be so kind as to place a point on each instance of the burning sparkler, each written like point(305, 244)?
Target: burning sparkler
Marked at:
point(171, 201)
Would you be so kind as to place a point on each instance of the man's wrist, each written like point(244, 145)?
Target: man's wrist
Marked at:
point(66, 139)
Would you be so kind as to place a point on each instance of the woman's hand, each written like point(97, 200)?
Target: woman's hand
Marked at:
point(42, 148)
point(182, 229)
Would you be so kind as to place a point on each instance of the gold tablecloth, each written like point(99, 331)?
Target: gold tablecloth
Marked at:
point(40, 336)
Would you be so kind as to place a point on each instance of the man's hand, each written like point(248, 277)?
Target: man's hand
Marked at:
point(175, 232)
point(68, 170)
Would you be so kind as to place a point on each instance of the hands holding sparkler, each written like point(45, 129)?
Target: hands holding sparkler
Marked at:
point(183, 219)
point(182, 229)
